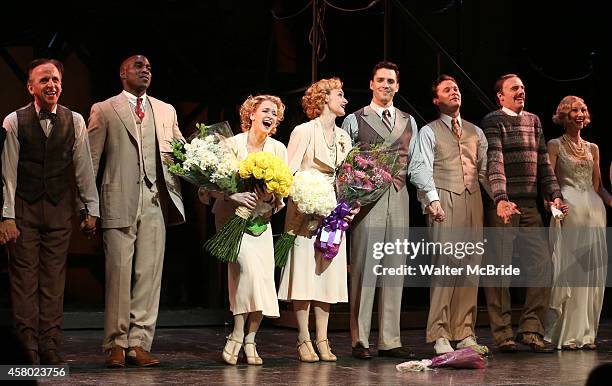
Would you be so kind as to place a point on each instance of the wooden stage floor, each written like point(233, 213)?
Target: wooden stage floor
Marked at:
point(191, 356)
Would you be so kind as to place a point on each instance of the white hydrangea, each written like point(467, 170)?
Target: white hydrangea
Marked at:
point(209, 156)
point(225, 168)
point(204, 153)
point(313, 193)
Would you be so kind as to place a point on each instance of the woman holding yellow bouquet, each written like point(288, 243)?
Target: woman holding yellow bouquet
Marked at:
point(308, 278)
point(252, 292)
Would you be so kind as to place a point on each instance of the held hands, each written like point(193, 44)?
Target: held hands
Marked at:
point(89, 225)
point(435, 210)
point(559, 204)
point(8, 231)
point(506, 209)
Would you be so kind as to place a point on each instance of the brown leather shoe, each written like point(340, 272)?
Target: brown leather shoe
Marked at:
point(140, 357)
point(32, 357)
point(361, 352)
point(51, 357)
point(398, 352)
point(115, 357)
point(507, 346)
point(536, 343)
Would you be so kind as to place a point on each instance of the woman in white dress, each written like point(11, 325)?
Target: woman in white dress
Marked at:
point(308, 278)
point(252, 292)
point(580, 254)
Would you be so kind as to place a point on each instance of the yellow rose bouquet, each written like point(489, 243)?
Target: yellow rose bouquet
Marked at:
point(271, 174)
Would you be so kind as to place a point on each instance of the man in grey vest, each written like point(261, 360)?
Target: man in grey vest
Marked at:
point(46, 149)
point(138, 198)
point(384, 221)
point(455, 153)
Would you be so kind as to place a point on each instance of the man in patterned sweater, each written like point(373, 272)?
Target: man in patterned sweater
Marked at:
point(517, 162)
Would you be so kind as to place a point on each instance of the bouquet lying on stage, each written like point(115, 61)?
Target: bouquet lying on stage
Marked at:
point(465, 358)
point(313, 194)
point(270, 174)
point(202, 162)
point(363, 178)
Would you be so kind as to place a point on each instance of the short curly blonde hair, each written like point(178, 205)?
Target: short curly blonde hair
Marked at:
point(564, 108)
point(251, 104)
point(314, 101)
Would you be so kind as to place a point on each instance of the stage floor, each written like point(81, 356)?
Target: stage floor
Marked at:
point(192, 356)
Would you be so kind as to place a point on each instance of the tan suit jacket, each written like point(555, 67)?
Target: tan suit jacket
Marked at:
point(112, 132)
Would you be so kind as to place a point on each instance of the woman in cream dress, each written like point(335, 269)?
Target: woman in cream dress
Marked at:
point(252, 292)
point(308, 278)
point(580, 253)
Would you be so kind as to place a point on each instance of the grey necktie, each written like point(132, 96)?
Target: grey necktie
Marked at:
point(386, 115)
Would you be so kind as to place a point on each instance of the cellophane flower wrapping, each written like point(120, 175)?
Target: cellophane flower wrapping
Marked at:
point(262, 169)
point(363, 177)
point(366, 174)
point(465, 358)
point(202, 161)
point(313, 194)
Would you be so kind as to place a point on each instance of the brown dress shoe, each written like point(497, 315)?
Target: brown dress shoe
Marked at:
point(51, 357)
point(361, 352)
point(507, 346)
point(141, 358)
point(398, 352)
point(115, 357)
point(536, 343)
point(32, 357)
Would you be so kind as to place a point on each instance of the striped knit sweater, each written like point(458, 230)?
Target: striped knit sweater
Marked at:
point(517, 159)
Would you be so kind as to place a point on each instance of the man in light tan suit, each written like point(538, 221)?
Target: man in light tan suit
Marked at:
point(138, 198)
point(455, 154)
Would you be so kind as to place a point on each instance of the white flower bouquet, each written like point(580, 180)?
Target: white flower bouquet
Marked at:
point(313, 194)
point(202, 161)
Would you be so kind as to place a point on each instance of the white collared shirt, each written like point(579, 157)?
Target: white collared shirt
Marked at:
point(511, 113)
point(379, 111)
point(447, 119)
point(45, 123)
point(132, 100)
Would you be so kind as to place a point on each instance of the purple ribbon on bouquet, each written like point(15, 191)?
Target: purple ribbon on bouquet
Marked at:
point(333, 224)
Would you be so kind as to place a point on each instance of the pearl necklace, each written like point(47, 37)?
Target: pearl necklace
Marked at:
point(576, 150)
point(330, 148)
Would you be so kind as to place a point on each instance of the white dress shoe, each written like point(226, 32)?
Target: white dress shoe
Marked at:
point(443, 346)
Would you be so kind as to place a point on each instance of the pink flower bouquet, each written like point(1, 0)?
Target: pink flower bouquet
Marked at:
point(465, 358)
point(363, 178)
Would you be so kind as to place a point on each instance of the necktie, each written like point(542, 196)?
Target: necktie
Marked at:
point(456, 128)
point(42, 115)
point(139, 110)
point(387, 119)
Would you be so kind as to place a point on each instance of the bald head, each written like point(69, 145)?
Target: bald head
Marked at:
point(135, 74)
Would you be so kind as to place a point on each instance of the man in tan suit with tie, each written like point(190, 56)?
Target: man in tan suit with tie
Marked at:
point(455, 155)
point(383, 221)
point(138, 198)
